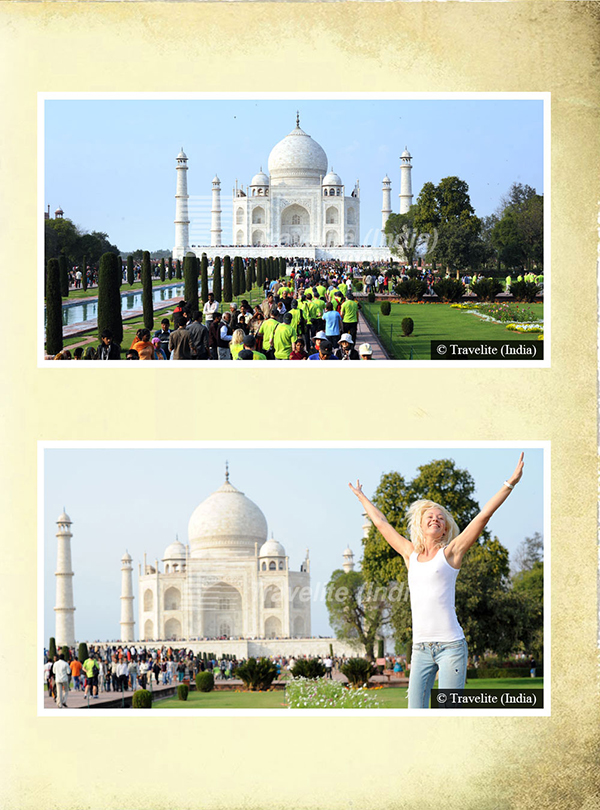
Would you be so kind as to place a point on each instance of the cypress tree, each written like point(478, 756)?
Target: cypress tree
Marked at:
point(236, 277)
point(66, 652)
point(82, 652)
point(54, 333)
point(109, 297)
point(130, 271)
point(217, 278)
point(227, 296)
point(64, 275)
point(177, 269)
point(190, 274)
point(204, 278)
point(283, 266)
point(170, 268)
point(243, 287)
point(252, 277)
point(163, 270)
point(52, 643)
point(84, 274)
point(147, 303)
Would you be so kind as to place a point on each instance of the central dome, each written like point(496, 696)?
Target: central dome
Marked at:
point(297, 160)
point(226, 524)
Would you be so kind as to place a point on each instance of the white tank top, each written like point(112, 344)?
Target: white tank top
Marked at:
point(432, 590)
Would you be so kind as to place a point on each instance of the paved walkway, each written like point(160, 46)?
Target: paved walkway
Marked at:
point(364, 334)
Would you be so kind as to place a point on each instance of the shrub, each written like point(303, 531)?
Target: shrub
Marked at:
point(109, 297)
point(357, 670)
point(257, 675)
point(486, 289)
point(357, 286)
point(308, 668)
point(411, 290)
point(204, 278)
point(524, 290)
point(449, 289)
point(177, 269)
point(205, 681)
point(82, 652)
point(170, 268)
point(407, 326)
point(64, 275)
point(163, 270)
point(142, 699)
point(182, 691)
point(500, 672)
point(386, 307)
point(371, 298)
point(54, 329)
point(66, 652)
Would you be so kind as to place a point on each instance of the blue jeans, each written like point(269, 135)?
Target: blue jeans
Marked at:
point(449, 657)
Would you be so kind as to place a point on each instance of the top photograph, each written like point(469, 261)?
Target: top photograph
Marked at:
point(397, 230)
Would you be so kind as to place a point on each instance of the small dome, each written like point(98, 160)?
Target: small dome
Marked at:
point(216, 179)
point(126, 557)
point(260, 179)
point(348, 552)
point(64, 518)
point(176, 551)
point(59, 210)
point(332, 179)
point(406, 153)
point(272, 549)
point(386, 179)
point(182, 155)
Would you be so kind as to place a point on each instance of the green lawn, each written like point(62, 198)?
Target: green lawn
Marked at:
point(389, 698)
point(434, 322)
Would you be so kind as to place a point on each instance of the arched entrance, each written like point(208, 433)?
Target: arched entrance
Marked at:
point(295, 225)
point(222, 611)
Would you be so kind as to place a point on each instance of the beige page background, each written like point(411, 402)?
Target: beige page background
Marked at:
point(346, 762)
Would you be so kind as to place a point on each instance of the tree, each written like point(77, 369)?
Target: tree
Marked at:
point(217, 278)
point(52, 648)
point(190, 274)
point(130, 271)
point(84, 284)
point(170, 268)
point(65, 652)
point(54, 329)
point(242, 276)
point(204, 278)
point(227, 292)
point(528, 585)
point(64, 275)
point(518, 234)
point(177, 269)
point(82, 652)
point(235, 277)
point(356, 609)
point(147, 302)
point(250, 275)
point(163, 270)
point(109, 297)
point(529, 553)
point(401, 235)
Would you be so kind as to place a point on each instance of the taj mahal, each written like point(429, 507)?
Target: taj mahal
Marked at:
point(231, 586)
point(301, 207)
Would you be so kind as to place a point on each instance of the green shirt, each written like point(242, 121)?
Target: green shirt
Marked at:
point(295, 320)
point(306, 308)
point(88, 667)
point(259, 355)
point(284, 335)
point(317, 308)
point(343, 289)
point(266, 330)
point(321, 290)
point(350, 311)
point(235, 349)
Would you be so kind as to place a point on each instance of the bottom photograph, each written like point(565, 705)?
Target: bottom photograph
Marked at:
point(255, 578)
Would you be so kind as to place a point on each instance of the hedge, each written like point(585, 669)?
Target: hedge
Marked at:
point(205, 681)
point(142, 699)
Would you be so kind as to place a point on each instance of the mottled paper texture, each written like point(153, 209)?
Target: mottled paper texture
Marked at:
point(347, 763)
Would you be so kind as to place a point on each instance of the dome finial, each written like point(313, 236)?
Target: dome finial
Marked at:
point(227, 471)
point(298, 119)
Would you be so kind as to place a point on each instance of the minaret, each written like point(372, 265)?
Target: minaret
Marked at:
point(366, 525)
point(215, 226)
point(406, 195)
point(65, 620)
point(386, 207)
point(348, 564)
point(182, 222)
point(127, 620)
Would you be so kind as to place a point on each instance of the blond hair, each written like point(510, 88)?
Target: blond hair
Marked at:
point(414, 516)
point(238, 337)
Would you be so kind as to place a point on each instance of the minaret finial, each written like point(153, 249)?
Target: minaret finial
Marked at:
point(227, 471)
point(298, 119)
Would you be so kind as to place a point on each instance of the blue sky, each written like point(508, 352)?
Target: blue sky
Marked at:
point(139, 499)
point(110, 164)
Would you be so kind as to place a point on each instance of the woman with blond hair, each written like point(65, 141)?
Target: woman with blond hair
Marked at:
point(433, 557)
point(237, 343)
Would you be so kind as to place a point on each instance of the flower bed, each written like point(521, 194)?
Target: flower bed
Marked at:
point(306, 693)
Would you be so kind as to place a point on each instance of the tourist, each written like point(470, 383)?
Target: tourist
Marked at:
point(78, 353)
point(76, 667)
point(90, 353)
point(224, 337)
point(250, 345)
point(179, 341)
point(266, 333)
point(143, 345)
point(213, 335)
point(198, 337)
point(163, 335)
point(267, 305)
point(122, 675)
point(349, 313)
point(346, 350)
point(62, 674)
point(132, 355)
point(65, 354)
point(233, 316)
point(210, 307)
point(438, 640)
point(365, 352)
point(159, 353)
point(91, 669)
point(282, 338)
point(132, 671)
point(333, 324)
point(107, 350)
point(237, 343)
point(299, 352)
point(325, 352)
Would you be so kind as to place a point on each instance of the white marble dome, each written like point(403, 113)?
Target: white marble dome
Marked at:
point(297, 160)
point(226, 524)
point(175, 551)
point(332, 179)
point(260, 179)
point(272, 548)
point(64, 518)
point(182, 155)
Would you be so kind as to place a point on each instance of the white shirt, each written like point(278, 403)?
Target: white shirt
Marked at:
point(62, 671)
point(210, 308)
point(432, 591)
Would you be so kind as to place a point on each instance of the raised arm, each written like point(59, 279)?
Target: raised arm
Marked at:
point(379, 520)
point(458, 547)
